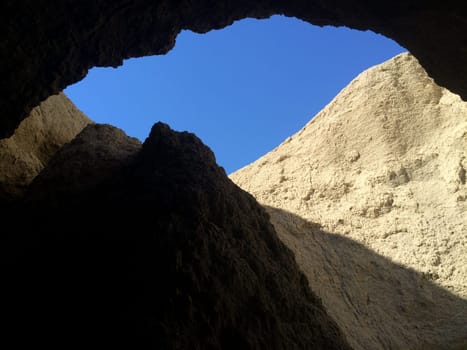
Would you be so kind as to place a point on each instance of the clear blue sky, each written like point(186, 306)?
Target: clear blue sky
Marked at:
point(242, 89)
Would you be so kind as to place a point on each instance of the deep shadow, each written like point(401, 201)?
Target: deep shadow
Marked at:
point(152, 248)
point(377, 303)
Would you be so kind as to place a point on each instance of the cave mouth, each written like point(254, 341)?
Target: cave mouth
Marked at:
point(242, 89)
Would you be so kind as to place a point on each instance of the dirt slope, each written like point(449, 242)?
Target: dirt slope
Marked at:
point(382, 170)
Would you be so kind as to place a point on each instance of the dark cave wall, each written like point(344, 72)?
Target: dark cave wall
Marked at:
point(46, 45)
point(180, 258)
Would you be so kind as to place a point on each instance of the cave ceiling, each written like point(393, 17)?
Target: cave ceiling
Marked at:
point(46, 45)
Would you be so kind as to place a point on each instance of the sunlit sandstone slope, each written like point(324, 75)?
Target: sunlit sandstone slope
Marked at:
point(371, 196)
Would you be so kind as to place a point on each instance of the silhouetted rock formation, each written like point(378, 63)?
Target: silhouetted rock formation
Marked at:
point(48, 45)
point(48, 127)
point(96, 155)
point(152, 247)
point(382, 164)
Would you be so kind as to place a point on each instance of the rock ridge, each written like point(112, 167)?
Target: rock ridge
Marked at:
point(166, 253)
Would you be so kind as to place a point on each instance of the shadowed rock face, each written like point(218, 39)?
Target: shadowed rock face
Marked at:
point(152, 246)
point(23, 155)
point(377, 303)
point(47, 45)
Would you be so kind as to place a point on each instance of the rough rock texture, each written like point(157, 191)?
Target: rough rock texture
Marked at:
point(383, 165)
point(47, 45)
point(86, 161)
point(165, 253)
point(48, 127)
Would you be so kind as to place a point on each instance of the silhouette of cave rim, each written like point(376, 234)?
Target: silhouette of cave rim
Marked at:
point(58, 44)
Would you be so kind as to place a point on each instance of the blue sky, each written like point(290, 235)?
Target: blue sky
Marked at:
point(242, 89)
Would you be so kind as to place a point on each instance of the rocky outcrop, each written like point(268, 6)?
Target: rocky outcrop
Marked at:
point(88, 160)
point(152, 246)
point(380, 171)
point(48, 45)
point(22, 156)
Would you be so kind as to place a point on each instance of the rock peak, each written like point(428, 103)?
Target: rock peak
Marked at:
point(173, 146)
point(153, 246)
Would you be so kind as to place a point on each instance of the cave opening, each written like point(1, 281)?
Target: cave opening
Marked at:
point(388, 238)
point(242, 89)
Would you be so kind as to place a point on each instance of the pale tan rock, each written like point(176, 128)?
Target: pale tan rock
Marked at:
point(49, 126)
point(382, 170)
